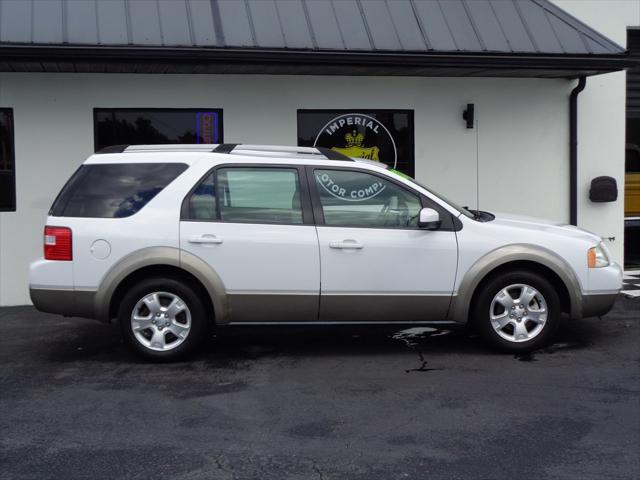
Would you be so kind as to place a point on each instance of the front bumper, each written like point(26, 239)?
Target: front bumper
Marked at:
point(598, 304)
point(604, 286)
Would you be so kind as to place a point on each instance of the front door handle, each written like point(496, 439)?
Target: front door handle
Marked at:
point(346, 245)
point(209, 239)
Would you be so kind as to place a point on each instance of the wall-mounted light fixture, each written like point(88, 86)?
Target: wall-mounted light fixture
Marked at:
point(468, 115)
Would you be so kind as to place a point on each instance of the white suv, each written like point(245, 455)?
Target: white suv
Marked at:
point(172, 240)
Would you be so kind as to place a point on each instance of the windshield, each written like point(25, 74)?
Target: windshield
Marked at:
point(462, 210)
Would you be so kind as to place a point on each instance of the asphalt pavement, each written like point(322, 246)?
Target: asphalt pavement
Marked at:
point(319, 404)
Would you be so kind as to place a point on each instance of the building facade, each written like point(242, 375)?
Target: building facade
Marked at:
point(513, 156)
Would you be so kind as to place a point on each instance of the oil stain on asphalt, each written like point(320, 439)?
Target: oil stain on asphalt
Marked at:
point(416, 339)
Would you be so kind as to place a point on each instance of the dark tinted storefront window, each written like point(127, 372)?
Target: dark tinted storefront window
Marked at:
point(7, 162)
point(383, 135)
point(632, 160)
point(156, 126)
point(113, 190)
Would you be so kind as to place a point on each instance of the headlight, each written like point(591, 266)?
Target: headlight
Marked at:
point(597, 257)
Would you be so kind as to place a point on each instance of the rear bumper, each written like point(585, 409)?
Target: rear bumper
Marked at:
point(51, 289)
point(67, 302)
point(599, 304)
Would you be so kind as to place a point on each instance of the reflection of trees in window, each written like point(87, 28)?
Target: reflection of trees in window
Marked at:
point(112, 131)
point(131, 127)
point(189, 137)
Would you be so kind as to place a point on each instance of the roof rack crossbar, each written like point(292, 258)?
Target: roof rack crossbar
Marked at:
point(113, 149)
point(225, 148)
point(332, 154)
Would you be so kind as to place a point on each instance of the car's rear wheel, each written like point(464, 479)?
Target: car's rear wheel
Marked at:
point(517, 311)
point(163, 319)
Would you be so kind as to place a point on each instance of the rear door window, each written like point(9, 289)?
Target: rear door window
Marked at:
point(259, 195)
point(113, 190)
point(201, 204)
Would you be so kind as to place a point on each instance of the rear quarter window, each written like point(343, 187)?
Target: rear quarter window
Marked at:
point(113, 190)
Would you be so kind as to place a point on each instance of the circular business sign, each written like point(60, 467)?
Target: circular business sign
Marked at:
point(359, 193)
point(360, 136)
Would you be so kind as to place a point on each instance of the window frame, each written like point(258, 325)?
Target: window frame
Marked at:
point(13, 207)
point(305, 197)
point(219, 111)
point(447, 221)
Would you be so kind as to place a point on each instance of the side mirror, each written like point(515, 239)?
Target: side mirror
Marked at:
point(429, 219)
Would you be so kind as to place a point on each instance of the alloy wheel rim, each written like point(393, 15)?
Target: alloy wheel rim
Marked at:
point(518, 313)
point(161, 321)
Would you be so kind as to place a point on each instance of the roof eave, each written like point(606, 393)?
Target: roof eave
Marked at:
point(252, 59)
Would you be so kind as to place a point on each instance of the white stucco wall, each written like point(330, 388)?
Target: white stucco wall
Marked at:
point(522, 135)
point(601, 119)
point(521, 139)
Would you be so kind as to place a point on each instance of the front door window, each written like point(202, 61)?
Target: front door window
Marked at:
point(358, 199)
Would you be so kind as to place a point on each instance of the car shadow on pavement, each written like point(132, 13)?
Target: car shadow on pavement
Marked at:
point(75, 340)
point(102, 343)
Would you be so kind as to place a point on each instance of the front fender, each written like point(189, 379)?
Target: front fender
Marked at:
point(459, 311)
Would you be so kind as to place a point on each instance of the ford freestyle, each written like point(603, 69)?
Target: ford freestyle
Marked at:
point(172, 241)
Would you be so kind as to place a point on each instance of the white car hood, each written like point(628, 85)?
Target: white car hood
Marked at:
point(539, 224)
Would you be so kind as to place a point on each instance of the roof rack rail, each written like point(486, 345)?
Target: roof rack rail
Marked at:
point(238, 148)
point(168, 147)
point(172, 147)
point(327, 153)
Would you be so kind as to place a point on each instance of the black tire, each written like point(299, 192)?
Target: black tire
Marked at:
point(482, 309)
point(199, 319)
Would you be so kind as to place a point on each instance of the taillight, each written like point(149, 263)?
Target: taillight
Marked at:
point(57, 243)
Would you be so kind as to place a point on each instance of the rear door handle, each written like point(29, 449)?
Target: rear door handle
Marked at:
point(346, 245)
point(209, 239)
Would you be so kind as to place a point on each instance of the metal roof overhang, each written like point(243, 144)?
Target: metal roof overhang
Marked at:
point(172, 60)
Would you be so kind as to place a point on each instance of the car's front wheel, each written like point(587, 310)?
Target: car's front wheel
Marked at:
point(162, 319)
point(517, 311)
